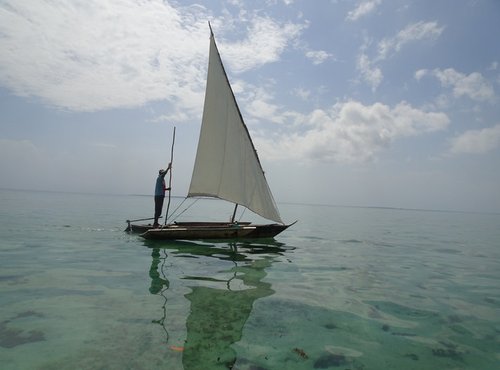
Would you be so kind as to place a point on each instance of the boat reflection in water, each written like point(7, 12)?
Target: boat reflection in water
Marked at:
point(221, 299)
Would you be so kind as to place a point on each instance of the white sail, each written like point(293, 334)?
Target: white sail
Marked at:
point(227, 165)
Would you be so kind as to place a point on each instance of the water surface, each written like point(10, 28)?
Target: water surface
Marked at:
point(345, 288)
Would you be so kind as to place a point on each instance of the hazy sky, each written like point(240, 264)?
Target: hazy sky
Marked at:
point(372, 102)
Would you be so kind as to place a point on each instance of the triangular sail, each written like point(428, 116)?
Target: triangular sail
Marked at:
point(227, 165)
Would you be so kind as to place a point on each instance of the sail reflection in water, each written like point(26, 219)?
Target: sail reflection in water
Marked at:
point(220, 301)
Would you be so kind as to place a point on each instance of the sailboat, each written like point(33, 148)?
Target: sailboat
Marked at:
point(226, 167)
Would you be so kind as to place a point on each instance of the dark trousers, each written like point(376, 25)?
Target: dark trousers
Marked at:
point(158, 206)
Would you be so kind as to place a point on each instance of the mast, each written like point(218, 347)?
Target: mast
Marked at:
point(234, 212)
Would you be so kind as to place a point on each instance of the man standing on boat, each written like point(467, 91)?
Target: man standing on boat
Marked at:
point(160, 189)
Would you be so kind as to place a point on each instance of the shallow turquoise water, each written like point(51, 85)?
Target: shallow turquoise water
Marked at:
point(345, 288)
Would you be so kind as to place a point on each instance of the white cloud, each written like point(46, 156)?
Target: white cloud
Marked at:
point(102, 54)
point(364, 8)
point(260, 108)
point(318, 57)
point(473, 86)
point(266, 40)
point(351, 132)
point(176, 116)
point(369, 68)
point(476, 141)
point(302, 93)
point(372, 75)
point(413, 32)
point(258, 102)
point(420, 74)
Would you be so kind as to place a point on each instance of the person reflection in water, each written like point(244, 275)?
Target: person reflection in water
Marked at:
point(157, 282)
point(160, 189)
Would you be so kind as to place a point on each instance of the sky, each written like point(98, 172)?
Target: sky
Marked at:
point(361, 103)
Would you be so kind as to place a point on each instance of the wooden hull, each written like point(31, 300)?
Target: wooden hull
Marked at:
point(212, 230)
point(142, 228)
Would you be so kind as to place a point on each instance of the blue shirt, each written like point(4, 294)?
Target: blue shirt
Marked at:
point(160, 186)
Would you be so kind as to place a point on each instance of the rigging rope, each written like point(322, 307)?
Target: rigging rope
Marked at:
point(242, 213)
point(173, 218)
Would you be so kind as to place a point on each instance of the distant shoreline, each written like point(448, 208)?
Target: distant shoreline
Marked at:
point(495, 213)
point(392, 208)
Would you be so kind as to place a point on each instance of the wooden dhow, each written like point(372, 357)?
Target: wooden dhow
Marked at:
point(226, 167)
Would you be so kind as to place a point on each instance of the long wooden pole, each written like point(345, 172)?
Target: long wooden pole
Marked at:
point(170, 177)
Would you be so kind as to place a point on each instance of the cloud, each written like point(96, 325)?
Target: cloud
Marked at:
point(351, 132)
point(103, 54)
point(364, 8)
point(258, 102)
point(302, 93)
point(473, 86)
point(476, 141)
point(318, 57)
point(261, 108)
point(266, 40)
point(100, 54)
point(413, 32)
point(369, 68)
point(370, 74)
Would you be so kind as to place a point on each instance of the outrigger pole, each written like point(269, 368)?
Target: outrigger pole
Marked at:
point(129, 227)
point(170, 178)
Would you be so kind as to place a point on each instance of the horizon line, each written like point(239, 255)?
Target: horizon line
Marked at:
point(497, 213)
